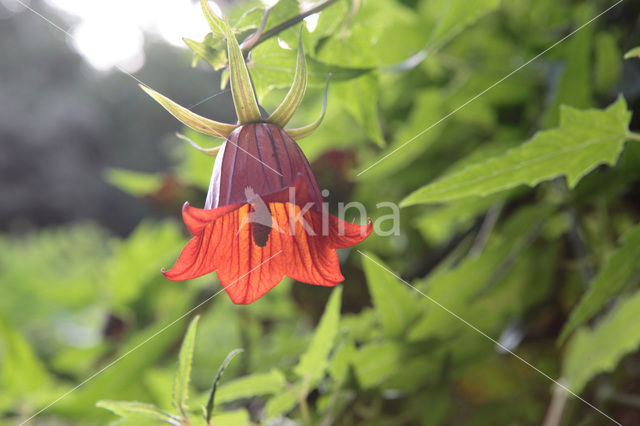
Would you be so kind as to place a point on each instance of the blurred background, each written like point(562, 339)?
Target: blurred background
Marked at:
point(92, 179)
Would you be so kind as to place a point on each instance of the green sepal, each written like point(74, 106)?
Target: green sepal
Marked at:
point(205, 50)
point(244, 97)
point(301, 132)
point(211, 152)
point(191, 119)
point(287, 108)
point(216, 24)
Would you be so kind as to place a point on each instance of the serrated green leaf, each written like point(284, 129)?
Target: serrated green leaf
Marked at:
point(591, 352)
point(584, 140)
point(180, 390)
point(611, 280)
point(134, 183)
point(134, 409)
point(633, 53)
point(191, 119)
point(314, 361)
point(395, 307)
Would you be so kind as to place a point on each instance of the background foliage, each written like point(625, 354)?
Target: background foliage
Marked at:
point(520, 214)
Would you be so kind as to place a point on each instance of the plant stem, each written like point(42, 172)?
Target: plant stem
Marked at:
point(304, 407)
point(253, 41)
point(633, 136)
point(556, 407)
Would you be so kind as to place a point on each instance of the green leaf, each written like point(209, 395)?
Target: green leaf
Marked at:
point(608, 67)
point(211, 50)
point(182, 376)
point(574, 88)
point(252, 385)
point(392, 300)
point(214, 385)
point(376, 362)
point(584, 140)
point(191, 119)
point(633, 53)
point(231, 418)
point(134, 183)
point(411, 140)
point(314, 361)
point(137, 260)
point(280, 404)
point(611, 280)
point(591, 352)
point(20, 369)
point(135, 409)
point(341, 360)
point(458, 288)
point(453, 16)
point(360, 98)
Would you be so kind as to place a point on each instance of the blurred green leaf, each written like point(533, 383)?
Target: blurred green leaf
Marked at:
point(216, 380)
point(609, 282)
point(376, 362)
point(584, 140)
point(180, 389)
point(608, 67)
point(134, 183)
point(574, 87)
point(257, 384)
point(591, 352)
point(231, 418)
point(458, 289)
point(314, 361)
point(411, 140)
point(21, 370)
point(633, 53)
point(395, 305)
point(133, 410)
point(453, 16)
point(139, 258)
point(280, 404)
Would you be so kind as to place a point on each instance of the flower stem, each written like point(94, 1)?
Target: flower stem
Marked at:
point(253, 41)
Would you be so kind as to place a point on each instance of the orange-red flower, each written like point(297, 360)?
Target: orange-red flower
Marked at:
point(263, 218)
point(252, 254)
